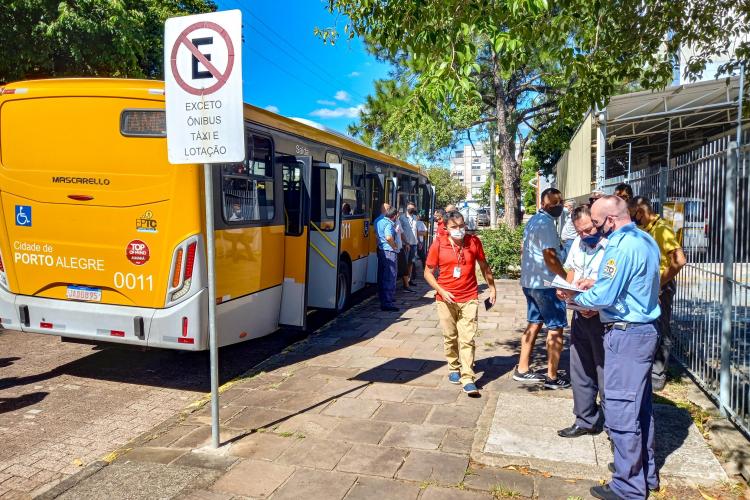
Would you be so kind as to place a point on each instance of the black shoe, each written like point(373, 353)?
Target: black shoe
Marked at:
point(556, 383)
point(528, 377)
point(604, 492)
point(389, 308)
point(407, 289)
point(574, 431)
point(411, 283)
point(611, 467)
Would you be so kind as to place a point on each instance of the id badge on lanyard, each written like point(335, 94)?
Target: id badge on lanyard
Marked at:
point(457, 272)
point(459, 258)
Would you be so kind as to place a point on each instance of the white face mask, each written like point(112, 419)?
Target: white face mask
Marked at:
point(457, 233)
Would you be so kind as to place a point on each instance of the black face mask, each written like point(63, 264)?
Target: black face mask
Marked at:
point(602, 232)
point(411, 211)
point(555, 211)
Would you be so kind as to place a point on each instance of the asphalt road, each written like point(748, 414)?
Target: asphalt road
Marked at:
point(63, 405)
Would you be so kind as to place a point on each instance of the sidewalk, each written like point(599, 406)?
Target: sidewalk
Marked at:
point(362, 409)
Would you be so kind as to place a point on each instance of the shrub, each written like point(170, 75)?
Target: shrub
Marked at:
point(502, 246)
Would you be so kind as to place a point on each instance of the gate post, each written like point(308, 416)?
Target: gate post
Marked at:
point(730, 193)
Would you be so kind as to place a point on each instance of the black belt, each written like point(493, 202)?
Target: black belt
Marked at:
point(622, 325)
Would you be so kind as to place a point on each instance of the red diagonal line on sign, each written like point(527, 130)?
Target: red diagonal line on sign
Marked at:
point(202, 58)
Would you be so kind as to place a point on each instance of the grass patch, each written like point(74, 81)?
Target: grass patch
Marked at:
point(500, 491)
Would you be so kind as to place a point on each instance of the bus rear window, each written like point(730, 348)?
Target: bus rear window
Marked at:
point(143, 123)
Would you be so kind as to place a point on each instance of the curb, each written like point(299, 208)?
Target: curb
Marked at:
point(164, 426)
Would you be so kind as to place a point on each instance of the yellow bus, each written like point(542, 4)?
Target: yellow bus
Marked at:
point(103, 239)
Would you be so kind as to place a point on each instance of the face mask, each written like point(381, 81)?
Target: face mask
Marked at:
point(555, 211)
point(591, 240)
point(602, 232)
point(457, 233)
point(411, 211)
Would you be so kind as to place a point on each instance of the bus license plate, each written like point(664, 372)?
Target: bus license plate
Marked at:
point(84, 293)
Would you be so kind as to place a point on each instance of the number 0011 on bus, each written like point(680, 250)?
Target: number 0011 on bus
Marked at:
point(84, 293)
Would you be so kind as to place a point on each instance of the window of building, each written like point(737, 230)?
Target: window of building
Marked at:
point(478, 178)
point(353, 202)
point(459, 154)
point(247, 188)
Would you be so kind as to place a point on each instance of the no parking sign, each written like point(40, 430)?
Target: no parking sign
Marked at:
point(203, 80)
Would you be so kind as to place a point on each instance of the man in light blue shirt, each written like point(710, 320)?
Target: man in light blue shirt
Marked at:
point(385, 229)
point(540, 262)
point(626, 294)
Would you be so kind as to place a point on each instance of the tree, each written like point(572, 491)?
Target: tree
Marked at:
point(54, 38)
point(525, 66)
point(447, 189)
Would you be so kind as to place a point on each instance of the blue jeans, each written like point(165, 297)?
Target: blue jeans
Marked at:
point(543, 306)
point(387, 266)
point(628, 412)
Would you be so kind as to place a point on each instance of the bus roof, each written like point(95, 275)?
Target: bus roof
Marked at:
point(154, 89)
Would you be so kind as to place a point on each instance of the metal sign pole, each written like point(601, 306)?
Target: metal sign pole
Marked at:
point(213, 348)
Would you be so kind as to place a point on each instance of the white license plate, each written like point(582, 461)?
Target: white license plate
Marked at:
point(84, 293)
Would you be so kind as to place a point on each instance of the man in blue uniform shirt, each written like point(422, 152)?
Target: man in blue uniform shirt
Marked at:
point(626, 294)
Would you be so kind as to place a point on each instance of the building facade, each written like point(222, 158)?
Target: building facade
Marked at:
point(471, 166)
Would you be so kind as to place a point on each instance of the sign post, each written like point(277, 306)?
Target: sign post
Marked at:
point(203, 93)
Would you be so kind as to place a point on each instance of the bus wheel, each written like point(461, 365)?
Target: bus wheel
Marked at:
point(343, 287)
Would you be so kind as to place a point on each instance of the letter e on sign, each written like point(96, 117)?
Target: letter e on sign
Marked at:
point(203, 88)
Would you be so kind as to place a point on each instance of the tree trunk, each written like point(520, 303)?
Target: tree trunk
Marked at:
point(508, 163)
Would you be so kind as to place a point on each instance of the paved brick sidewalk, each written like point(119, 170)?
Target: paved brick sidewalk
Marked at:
point(360, 410)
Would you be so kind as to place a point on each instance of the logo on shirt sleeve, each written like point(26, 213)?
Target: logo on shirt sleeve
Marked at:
point(610, 269)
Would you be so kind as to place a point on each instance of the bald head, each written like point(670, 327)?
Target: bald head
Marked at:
point(610, 208)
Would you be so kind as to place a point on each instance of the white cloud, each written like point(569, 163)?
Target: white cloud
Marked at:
point(351, 112)
point(354, 74)
point(342, 95)
point(324, 102)
point(272, 108)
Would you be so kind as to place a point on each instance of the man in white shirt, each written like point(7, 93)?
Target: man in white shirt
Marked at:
point(568, 231)
point(587, 331)
point(540, 262)
point(407, 249)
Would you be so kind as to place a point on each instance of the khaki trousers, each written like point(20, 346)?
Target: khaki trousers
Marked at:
point(459, 322)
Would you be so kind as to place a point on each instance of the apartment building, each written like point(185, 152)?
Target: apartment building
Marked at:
point(471, 166)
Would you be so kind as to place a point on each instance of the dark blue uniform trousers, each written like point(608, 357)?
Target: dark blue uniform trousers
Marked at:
point(629, 414)
point(587, 370)
point(387, 265)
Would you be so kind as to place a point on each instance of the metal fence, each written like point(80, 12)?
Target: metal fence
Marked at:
point(707, 191)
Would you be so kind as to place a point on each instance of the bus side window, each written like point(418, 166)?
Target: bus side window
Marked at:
point(247, 188)
point(376, 195)
point(291, 174)
point(388, 191)
point(353, 203)
point(324, 198)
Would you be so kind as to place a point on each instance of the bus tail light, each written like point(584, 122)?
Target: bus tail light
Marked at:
point(3, 277)
point(183, 270)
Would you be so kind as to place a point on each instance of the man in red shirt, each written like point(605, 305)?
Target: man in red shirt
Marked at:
point(456, 255)
point(440, 223)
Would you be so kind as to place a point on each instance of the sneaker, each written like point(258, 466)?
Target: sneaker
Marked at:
point(454, 377)
point(556, 383)
point(471, 390)
point(407, 289)
point(528, 377)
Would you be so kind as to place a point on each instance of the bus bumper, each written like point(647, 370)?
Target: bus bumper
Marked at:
point(182, 326)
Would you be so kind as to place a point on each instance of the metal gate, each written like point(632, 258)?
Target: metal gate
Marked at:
point(707, 190)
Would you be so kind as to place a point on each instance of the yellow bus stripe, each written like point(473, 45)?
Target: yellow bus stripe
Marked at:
point(323, 234)
point(321, 254)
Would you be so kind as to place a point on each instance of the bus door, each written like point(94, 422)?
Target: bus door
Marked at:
point(325, 225)
point(391, 188)
point(296, 174)
point(376, 192)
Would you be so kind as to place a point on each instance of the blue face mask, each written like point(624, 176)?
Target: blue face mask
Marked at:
point(591, 240)
point(604, 233)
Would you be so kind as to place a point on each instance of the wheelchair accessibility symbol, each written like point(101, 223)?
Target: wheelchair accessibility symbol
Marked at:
point(23, 215)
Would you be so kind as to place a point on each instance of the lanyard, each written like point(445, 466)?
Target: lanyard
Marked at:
point(586, 271)
point(460, 255)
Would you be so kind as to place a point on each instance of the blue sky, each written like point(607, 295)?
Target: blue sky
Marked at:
point(288, 70)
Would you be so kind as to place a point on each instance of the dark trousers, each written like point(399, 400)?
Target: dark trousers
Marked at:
point(587, 370)
point(387, 266)
point(628, 412)
point(664, 324)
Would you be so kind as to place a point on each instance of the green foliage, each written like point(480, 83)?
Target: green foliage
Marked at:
point(447, 189)
point(502, 246)
point(56, 38)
